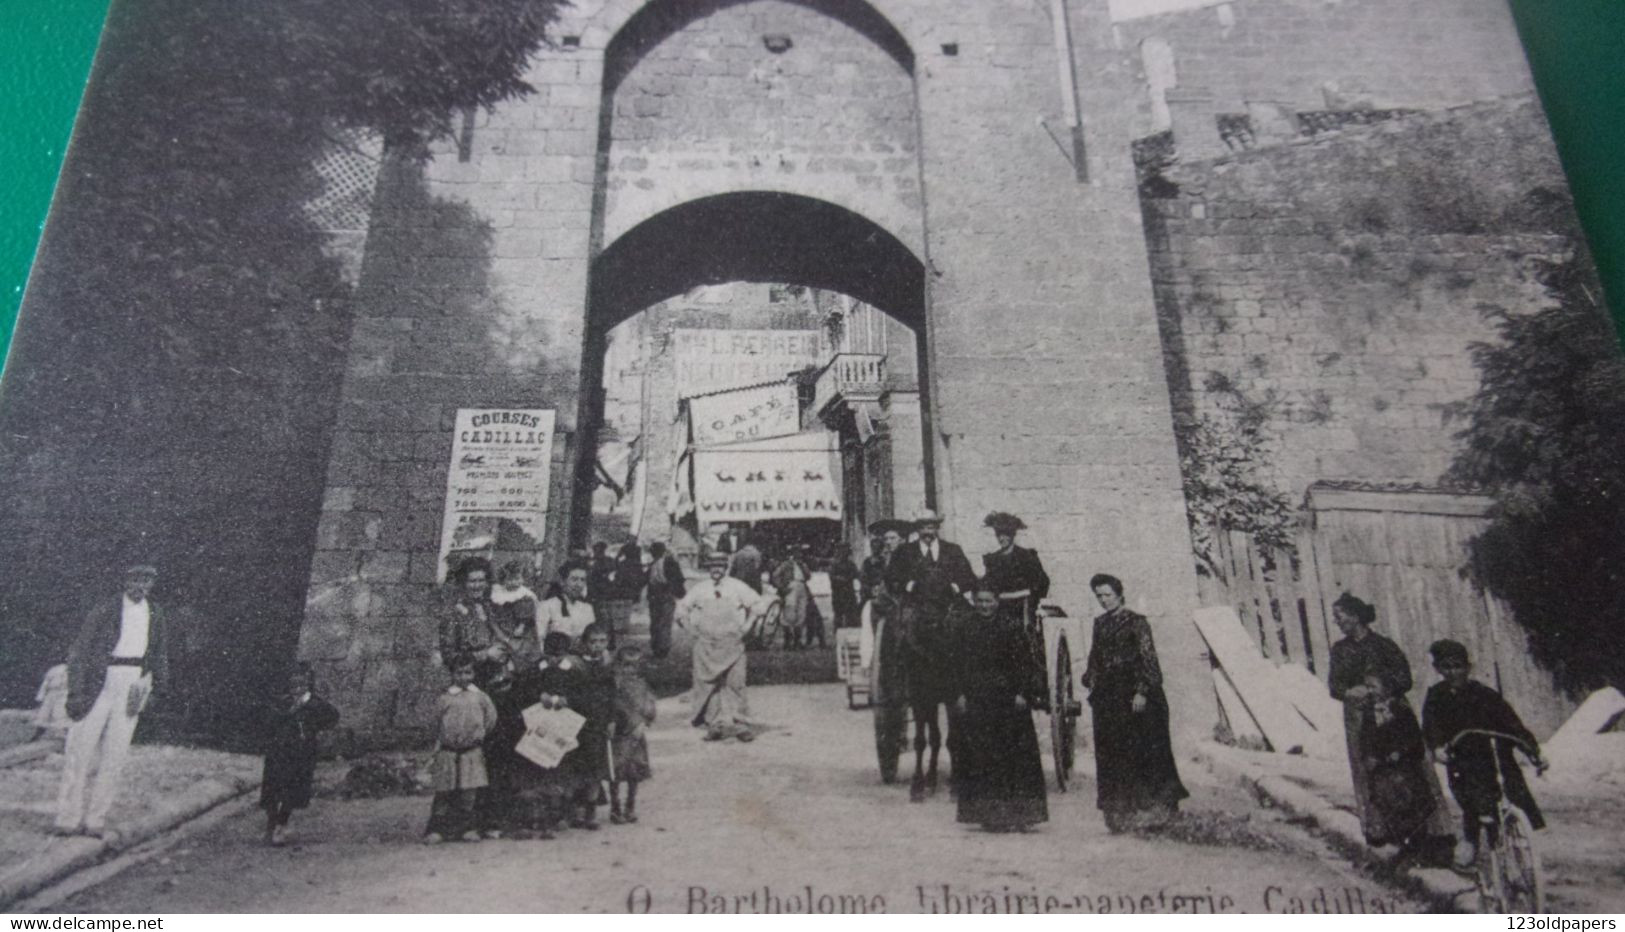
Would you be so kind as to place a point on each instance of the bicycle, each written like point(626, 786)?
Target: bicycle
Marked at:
point(1508, 873)
point(766, 627)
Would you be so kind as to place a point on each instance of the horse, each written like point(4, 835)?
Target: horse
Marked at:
point(928, 655)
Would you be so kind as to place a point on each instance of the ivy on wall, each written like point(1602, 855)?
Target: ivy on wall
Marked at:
point(1224, 456)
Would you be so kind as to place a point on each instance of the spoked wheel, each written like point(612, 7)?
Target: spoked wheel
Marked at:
point(1063, 716)
point(768, 628)
point(1523, 888)
point(1491, 888)
point(891, 712)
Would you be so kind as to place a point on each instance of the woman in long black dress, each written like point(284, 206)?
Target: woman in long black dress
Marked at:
point(998, 770)
point(1396, 791)
point(1136, 776)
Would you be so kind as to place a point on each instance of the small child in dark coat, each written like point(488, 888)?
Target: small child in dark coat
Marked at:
point(499, 803)
point(1459, 704)
point(290, 752)
point(634, 713)
point(595, 701)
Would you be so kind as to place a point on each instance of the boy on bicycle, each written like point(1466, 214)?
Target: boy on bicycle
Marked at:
point(1459, 704)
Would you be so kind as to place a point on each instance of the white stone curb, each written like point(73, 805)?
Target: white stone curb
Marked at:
point(65, 856)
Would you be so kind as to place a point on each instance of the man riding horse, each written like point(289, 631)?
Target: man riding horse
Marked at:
point(931, 577)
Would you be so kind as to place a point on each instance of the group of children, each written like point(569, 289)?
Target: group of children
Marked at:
point(483, 786)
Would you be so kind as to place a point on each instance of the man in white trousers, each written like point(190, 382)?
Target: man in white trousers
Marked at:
point(113, 667)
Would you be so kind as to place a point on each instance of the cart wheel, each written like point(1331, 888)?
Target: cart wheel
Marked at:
point(891, 714)
point(1063, 716)
point(1522, 884)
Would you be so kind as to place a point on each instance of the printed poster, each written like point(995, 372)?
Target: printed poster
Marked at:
point(496, 487)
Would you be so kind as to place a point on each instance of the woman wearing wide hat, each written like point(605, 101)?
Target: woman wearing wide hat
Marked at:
point(1014, 573)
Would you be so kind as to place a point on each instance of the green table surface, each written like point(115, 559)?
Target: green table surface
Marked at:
point(46, 47)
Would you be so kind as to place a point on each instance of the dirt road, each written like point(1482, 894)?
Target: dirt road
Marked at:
point(797, 821)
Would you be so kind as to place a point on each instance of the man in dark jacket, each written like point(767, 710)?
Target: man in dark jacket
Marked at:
point(666, 586)
point(601, 580)
point(932, 578)
point(843, 594)
point(116, 664)
point(930, 573)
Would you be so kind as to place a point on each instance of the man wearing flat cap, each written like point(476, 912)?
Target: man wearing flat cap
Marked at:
point(116, 663)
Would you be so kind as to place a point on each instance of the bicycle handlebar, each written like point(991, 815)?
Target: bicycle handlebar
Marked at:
point(1534, 753)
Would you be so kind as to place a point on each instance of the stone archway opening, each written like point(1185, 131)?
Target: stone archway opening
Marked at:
point(743, 290)
point(758, 175)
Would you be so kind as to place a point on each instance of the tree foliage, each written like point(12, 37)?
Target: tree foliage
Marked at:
point(177, 365)
point(1545, 437)
point(1221, 454)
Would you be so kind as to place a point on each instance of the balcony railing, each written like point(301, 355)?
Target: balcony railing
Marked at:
point(849, 377)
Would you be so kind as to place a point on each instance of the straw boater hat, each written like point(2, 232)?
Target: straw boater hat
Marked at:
point(716, 559)
point(927, 516)
point(890, 524)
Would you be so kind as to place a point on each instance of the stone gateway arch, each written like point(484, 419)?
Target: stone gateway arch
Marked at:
point(917, 154)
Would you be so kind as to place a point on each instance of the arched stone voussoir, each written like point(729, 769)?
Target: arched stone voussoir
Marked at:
point(765, 236)
point(608, 26)
point(895, 212)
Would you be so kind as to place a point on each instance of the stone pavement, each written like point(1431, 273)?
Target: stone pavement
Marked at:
point(1579, 848)
point(162, 787)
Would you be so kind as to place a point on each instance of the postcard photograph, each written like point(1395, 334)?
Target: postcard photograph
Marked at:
point(812, 456)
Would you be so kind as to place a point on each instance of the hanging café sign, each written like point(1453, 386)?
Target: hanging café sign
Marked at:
point(789, 477)
point(759, 412)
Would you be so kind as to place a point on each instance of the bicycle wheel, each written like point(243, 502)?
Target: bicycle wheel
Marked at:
point(772, 621)
point(1522, 884)
point(1488, 876)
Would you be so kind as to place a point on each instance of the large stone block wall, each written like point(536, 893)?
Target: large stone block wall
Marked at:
point(1338, 282)
point(1047, 393)
point(471, 295)
point(1314, 55)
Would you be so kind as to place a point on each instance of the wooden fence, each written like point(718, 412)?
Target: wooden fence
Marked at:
point(1402, 552)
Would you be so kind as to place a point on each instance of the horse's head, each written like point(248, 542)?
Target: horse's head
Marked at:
point(935, 589)
point(926, 630)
